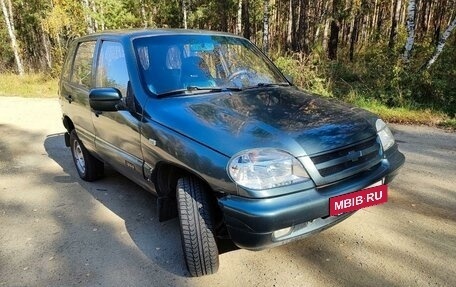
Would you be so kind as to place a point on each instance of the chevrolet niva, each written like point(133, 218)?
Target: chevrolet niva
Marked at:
point(207, 123)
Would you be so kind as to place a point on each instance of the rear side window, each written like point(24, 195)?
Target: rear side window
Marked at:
point(112, 67)
point(66, 72)
point(82, 67)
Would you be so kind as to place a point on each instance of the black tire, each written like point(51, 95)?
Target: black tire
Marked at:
point(197, 227)
point(89, 168)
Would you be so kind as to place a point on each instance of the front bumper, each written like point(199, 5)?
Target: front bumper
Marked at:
point(251, 222)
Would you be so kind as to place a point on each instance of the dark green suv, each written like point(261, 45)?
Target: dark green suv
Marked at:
point(208, 124)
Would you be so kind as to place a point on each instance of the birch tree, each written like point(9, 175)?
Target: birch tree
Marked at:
point(184, 12)
point(239, 18)
point(266, 26)
point(9, 20)
point(88, 19)
point(410, 30)
point(441, 44)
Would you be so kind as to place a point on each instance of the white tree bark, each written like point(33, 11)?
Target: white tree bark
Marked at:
point(95, 12)
point(290, 23)
point(88, 19)
point(266, 27)
point(441, 44)
point(239, 19)
point(410, 30)
point(184, 10)
point(8, 14)
point(47, 50)
point(143, 13)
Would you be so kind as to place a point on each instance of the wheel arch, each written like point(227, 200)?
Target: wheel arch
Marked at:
point(68, 123)
point(165, 177)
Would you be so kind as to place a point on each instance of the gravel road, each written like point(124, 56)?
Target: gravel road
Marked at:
point(56, 230)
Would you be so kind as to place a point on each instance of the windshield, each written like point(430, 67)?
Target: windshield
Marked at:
point(196, 63)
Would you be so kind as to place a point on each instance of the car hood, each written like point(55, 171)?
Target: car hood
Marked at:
point(276, 117)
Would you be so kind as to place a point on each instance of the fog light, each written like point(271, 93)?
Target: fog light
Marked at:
point(281, 232)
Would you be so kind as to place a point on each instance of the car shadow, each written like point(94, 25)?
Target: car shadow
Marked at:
point(160, 242)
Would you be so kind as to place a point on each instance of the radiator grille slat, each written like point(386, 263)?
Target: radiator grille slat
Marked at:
point(338, 161)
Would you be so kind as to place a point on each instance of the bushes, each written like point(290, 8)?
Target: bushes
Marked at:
point(379, 76)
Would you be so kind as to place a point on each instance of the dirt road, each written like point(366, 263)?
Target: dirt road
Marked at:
point(56, 230)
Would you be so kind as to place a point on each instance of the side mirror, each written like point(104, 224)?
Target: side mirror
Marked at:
point(289, 78)
point(105, 99)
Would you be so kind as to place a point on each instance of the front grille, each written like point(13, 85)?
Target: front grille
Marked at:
point(358, 155)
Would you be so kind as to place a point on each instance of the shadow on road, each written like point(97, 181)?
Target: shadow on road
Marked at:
point(135, 206)
point(158, 241)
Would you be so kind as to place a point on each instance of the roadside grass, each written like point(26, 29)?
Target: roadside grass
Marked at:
point(449, 124)
point(405, 115)
point(28, 86)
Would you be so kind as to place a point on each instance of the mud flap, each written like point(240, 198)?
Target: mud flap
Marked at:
point(167, 208)
point(67, 139)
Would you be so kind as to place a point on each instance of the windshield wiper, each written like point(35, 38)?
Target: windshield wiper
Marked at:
point(189, 90)
point(262, 85)
point(197, 90)
point(281, 84)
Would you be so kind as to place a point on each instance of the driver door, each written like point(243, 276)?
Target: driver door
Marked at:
point(117, 137)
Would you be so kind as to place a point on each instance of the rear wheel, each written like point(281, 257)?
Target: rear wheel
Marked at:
point(197, 227)
point(89, 168)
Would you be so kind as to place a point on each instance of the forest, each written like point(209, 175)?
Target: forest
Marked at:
point(393, 53)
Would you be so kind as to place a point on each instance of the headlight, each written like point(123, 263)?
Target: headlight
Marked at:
point(265, 168)
point(386, 137)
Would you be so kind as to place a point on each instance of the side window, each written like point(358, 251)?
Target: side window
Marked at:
point(112, 67)
point(82, 67)
point(66, 72)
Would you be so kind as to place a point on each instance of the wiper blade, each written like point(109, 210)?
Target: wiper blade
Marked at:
point(210, 89)
point(236, 89)
point(282, 84)
point(262, 85)
point(189, 90)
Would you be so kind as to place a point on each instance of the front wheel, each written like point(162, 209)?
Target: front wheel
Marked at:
point(197, 227)
point(89, 168)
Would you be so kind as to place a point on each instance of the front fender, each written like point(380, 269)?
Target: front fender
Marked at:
point(162, 144)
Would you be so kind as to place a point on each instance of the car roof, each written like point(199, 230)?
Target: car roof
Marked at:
point(137, 33)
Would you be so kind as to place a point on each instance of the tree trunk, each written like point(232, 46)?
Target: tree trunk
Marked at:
point(302, 28)
point(290, 25)
point(246, 19)
point(239, 19)
point(410, 30)
point(8, 14)
point(223, 13)
point(294, 22)
point(327, 25)
point(88, 19)
point(379, 23)
point(266, 26)
point(143, 13)
point(47, 50)
point(354, 35)
point(333, 40)
point(395, 12)
point(184, 12)
point(334, 36)
point(442, 42)
point(94, 22)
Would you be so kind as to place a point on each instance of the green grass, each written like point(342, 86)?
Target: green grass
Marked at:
point(28, 86)
point(449, 124)
point(405, 115)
